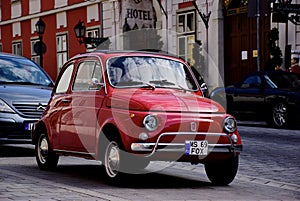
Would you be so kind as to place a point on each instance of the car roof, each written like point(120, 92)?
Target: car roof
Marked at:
point(268, 72)
point(5, 54)
point(147, 52)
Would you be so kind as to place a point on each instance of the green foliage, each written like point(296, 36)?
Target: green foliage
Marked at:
point(142, 40)
point(198, 57)
point(275, 51)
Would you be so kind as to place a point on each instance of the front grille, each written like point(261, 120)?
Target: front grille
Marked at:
point(30, 109)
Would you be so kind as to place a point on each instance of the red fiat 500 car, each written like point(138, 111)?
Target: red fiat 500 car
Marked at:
point(129, 108)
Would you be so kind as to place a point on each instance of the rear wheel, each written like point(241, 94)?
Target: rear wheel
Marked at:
point(45, 157)
point(222, 173)
point(279, 115)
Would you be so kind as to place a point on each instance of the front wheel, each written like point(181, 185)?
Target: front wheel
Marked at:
point(222, 173)
point(112, 160)
point(45, 157)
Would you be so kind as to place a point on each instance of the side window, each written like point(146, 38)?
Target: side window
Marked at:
point(252, 82)
point(88, 76)
point(65, 79)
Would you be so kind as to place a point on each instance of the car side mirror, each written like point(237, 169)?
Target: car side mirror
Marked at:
point(96, 84)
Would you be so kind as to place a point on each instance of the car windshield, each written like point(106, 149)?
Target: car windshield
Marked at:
point(21, 71)
point(152, 72)
point(285, 80)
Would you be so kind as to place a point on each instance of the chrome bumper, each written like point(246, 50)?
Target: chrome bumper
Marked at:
point(180, 147)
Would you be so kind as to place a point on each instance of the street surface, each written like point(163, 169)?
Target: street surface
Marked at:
point(269, 170)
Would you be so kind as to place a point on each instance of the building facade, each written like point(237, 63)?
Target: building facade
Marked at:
point(216, 36)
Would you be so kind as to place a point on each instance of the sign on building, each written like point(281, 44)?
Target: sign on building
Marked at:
point(137, 14)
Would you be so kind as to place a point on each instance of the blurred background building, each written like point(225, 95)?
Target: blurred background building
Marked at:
point(223, 39)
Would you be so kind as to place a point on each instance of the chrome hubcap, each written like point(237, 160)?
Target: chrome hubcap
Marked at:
point(112, 159)
point(280, 114)
point(43, 150)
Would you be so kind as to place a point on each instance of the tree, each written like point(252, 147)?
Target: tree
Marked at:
point(275, 52)
point(144, 39)
point(198, 57)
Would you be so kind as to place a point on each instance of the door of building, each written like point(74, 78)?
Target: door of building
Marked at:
point(241, 46)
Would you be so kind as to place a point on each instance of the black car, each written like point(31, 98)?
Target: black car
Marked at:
point(273, 96)
point(25, 90)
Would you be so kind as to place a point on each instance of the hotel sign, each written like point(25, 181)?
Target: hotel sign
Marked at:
point(138, 14)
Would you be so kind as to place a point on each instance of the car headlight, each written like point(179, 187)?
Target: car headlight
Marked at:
point(230, 124)
point(5, 108)
point(150, 122)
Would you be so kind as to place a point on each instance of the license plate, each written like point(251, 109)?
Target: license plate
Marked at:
point(193, 147)
point(29, 126)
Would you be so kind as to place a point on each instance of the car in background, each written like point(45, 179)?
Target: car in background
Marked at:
point(25, 90)
point(129, 108)
point(273, 96)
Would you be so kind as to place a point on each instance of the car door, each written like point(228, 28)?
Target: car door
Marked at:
point(86, 99)
point(59, 106)
point(249, 97)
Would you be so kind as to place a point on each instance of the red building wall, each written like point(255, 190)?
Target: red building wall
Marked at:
point(51, 30)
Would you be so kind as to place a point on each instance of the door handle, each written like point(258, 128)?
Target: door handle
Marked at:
point(66, 101)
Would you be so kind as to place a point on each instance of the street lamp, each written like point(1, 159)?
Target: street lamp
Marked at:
point(40, 47)
point(80, 30)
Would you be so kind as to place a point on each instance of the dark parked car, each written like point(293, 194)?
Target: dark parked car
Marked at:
point(273, 96)
point(25, 90)
point(128, 108)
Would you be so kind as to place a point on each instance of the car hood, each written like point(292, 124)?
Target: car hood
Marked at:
point(10, 93)
point(163, 100)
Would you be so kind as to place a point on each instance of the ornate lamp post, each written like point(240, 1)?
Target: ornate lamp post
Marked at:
point(40, 47)
point(80, 30)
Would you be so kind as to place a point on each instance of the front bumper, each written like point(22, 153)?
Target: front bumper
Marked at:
point(15, 127)
point(158, 146)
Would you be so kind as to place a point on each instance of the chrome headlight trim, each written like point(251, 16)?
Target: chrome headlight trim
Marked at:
point(150, 122)
point(229, 125)
point(4, 107)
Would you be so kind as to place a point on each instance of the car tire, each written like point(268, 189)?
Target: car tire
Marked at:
point(45, 157)
point(279, 115)
point(112, 160)
point(222, 173)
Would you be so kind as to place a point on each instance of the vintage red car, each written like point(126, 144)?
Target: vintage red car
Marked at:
point(129, 108)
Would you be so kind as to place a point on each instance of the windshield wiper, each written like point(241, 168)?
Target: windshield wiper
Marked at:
point(136, 83)
point(162, 82)
point(21, 83)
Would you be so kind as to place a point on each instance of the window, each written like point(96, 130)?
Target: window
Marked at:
point(64, 81)
point(149, 72)
point(94, 33)
point(88, 76)
point(17, 48)
point(61, 50)
point(186, 22)
point(185, 47)
point(34, 56)
point(186, 35)
point(252, 82)
point(16, 8)
point(1, 48)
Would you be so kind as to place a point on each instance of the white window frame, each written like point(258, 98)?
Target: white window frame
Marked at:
point(17, 48)
point(34, 56)
point(186, 32)
point(61, 49)
point(93, 32)
point(184, 28)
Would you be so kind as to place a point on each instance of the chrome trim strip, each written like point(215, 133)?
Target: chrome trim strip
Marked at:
point(74, 152)
point(180, 147)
